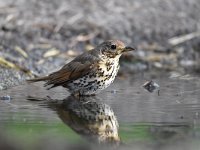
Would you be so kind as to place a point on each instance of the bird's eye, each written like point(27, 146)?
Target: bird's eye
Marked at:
point(113, 46)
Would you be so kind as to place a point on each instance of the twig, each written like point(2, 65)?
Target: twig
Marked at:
point(181, 39)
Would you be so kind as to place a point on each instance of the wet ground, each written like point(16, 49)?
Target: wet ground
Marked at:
point(124, 116)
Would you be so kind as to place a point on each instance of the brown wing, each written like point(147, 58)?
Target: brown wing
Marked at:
point(80, 66)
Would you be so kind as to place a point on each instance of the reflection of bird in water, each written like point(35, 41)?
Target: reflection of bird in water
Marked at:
point(88, 117)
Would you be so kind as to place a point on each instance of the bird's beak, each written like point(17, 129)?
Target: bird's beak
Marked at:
point(126, 49)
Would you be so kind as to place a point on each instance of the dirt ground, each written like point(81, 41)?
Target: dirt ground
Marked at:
point(39, 36)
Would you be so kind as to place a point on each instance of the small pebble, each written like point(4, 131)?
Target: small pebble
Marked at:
point(114, 91)
point(151, 86)
point(5, 98)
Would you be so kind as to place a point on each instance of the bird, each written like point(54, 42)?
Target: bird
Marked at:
point(90, 72)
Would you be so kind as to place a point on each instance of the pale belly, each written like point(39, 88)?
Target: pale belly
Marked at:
point(93, 83)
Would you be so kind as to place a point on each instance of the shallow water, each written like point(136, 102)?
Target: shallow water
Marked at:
point(125, 116)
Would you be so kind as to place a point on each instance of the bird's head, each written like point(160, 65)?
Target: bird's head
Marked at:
point(113, 48)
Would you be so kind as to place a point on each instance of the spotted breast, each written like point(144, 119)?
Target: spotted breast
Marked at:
point(93, 82)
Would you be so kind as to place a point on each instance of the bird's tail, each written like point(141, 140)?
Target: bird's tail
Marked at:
point(38, 79)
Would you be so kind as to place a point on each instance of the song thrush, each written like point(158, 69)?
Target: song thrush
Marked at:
point(89, 72)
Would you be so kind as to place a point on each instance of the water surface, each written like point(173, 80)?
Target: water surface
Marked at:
point(123, 116)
